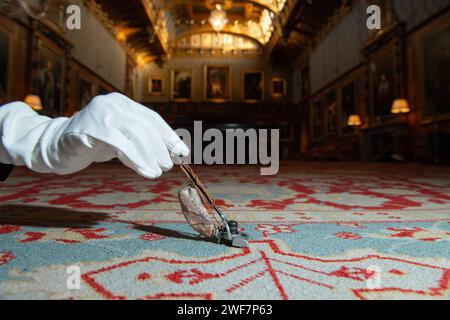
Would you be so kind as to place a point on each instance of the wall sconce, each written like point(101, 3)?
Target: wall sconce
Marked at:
point(354, 120)
point(34, 102)
point(400, 106)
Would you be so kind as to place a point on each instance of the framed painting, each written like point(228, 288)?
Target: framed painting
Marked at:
point(436, 72)
point(279, 88)
point(181, 85)
point(84, 92)
point(317, 120)
point(50, 77)
point(331, 113)
point(253, 86)
point(217, 84)
point(155, 86)
point(348, 107)
point(384, 70)
point(4, 66)
point(383, 83)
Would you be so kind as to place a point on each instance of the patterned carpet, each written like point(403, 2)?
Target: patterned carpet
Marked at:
point(319, 231)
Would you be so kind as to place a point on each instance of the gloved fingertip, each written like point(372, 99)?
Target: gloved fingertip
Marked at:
point(167, 167)
point(158, 173)
point(149, 175)
point(180, 149)
point(176, 159)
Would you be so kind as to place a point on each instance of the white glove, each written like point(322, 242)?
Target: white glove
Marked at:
point(110, 126)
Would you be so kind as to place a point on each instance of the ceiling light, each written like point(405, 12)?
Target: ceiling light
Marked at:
point(218, 18)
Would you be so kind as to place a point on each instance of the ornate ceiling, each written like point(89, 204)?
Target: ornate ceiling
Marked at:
point(150, 29)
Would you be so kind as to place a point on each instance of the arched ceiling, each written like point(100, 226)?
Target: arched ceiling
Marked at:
point(152, 28)
point(247, 18)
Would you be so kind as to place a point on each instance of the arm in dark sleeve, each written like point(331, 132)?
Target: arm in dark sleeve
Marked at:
point(5, 171)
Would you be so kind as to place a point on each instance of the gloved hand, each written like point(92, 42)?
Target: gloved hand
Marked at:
point(110, 126)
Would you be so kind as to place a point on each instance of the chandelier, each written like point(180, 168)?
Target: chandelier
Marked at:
point(218, 18)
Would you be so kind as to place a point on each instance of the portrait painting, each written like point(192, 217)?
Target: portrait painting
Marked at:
point(383, 84)
point(155, 86)
point(181, 88)
point(217, 83)
point(331, 113)
point(253, 86)
point(436, 64)
point(50, 79)
point(317, 120)
point(278, 87)
point(4, 66)
point(348, 106)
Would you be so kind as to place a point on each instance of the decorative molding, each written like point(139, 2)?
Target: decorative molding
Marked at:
point(215, 44)
point(158, 20)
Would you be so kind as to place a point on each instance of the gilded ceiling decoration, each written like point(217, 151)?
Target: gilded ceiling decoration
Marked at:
point(155, 28)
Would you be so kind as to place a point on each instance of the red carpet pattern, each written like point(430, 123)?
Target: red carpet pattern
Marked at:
point(319, 231)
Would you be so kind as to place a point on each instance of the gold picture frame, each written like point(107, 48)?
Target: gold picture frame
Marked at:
point(217, 83)
point(253, 85)
point(383, 78)
point(279, 87)
point(155, 86)
point(51, 61)
point(181, 85)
